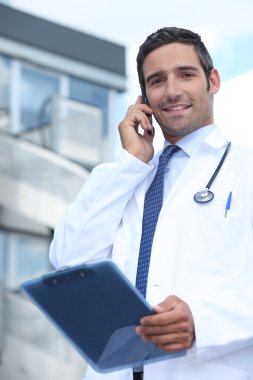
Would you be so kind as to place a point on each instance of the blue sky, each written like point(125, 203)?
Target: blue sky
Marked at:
point(236, 57)
point(225, 25)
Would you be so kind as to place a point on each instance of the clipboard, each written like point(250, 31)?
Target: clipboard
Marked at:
point(96, 308)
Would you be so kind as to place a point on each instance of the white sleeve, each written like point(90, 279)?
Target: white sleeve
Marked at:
point(87, 228)
point(223, 324)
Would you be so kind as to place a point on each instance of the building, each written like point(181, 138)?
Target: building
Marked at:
point(60, 93)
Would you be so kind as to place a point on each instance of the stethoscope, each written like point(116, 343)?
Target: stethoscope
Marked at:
point(205, 196)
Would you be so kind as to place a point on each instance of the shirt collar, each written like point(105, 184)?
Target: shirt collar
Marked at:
point(191, 142)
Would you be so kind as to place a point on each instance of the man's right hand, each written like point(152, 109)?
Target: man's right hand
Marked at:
point(137, 144)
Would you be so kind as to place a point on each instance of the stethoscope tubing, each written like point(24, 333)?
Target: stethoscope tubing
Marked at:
point(205, 196)
point(219, 166)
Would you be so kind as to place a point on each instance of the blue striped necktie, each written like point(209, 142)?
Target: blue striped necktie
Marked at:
point(152, 207)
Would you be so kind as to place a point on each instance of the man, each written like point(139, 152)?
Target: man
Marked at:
point(201, 254)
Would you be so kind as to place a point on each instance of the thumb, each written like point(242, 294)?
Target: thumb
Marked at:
point(169, 304)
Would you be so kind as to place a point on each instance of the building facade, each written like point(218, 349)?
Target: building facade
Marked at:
point(60, 99)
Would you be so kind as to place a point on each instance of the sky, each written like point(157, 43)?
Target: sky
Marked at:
point(225, 26)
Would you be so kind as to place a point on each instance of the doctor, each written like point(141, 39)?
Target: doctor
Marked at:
point(201, 266)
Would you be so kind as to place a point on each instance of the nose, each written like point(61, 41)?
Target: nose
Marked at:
point(173, 89)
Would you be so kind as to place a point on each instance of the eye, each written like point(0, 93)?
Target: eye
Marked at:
point(186, 75)
point(157, 81)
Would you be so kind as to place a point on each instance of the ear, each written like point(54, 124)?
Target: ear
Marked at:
point(214, 81)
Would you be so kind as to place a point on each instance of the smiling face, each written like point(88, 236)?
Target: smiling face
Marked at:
point(177, 90)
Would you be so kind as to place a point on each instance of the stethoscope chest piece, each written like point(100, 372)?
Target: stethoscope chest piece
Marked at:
point(204, 196)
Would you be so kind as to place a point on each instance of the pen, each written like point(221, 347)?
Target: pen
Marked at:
point(228, 203)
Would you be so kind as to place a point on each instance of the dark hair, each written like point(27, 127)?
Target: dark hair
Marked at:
point(169, 35)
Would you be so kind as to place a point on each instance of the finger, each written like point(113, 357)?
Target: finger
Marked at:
point(172, 310)
point(139, 100)
point(166, 340)
point(160, 330)
point(178, 328)
point(176, 345)
point(149, 134)
point(169, 304)
point(163, 319)
point(172, 347)
point(146, 126)
point(145, 107)
point(134, 118)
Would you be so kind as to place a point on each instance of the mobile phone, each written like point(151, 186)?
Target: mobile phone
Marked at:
point(145, 100)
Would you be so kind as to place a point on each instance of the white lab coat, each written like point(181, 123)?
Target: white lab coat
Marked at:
point(198, 254)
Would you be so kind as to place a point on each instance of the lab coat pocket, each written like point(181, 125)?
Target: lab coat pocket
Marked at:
point(219, 244)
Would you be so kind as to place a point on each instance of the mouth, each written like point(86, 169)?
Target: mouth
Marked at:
point(176, 108)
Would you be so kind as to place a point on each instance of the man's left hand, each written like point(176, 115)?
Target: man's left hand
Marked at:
point(171, 328)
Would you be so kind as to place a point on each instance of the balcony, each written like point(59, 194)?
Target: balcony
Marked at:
point(35, 182)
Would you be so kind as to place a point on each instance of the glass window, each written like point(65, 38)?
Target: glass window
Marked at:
point(37, 89)
point(91, 94)
point(27, 257)
point(4, 91)
point(2, 273)
point(3, 249)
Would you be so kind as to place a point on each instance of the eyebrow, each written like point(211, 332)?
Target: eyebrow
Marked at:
point(179, 68)
point(185, 68)
point(154, 75)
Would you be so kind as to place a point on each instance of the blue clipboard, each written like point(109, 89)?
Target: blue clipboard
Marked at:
point(97, 309)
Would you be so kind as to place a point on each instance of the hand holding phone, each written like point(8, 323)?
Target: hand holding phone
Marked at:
point(134, 131)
